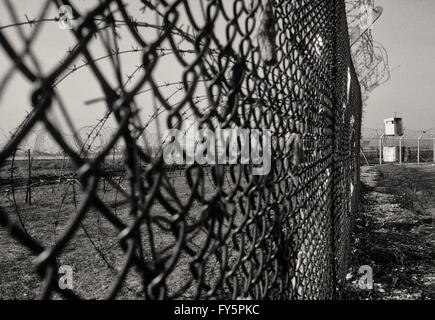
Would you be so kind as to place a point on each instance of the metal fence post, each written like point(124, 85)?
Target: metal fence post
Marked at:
point(380, 148)
point(400, 149)
point(418, 148)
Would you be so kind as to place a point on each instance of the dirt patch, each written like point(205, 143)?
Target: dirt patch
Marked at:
point(394, 233)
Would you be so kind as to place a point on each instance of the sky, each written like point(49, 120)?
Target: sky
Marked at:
point(407, 30)
point(78, 87)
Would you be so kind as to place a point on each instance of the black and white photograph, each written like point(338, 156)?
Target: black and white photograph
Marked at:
point(230, 151)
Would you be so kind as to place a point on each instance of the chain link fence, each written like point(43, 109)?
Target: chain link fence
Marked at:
point(204, 231)
point(413, 146)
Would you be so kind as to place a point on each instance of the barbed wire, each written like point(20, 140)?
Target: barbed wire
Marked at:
point(369, 56)
point(220, 231)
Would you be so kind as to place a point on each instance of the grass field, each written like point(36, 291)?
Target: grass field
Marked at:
point(94, 252)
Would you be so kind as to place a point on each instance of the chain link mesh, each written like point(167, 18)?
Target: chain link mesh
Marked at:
point(278, 65)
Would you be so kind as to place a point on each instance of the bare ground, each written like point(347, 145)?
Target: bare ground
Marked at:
point(94, 252)
point(394, 233)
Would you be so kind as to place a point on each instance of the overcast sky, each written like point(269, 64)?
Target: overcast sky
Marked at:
point(407, 30)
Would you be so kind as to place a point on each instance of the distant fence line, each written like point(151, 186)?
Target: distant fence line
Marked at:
point(413, 146)
point(41, 144)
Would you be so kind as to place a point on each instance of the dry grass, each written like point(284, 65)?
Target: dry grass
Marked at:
point(94, 252)
point(395, 233)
